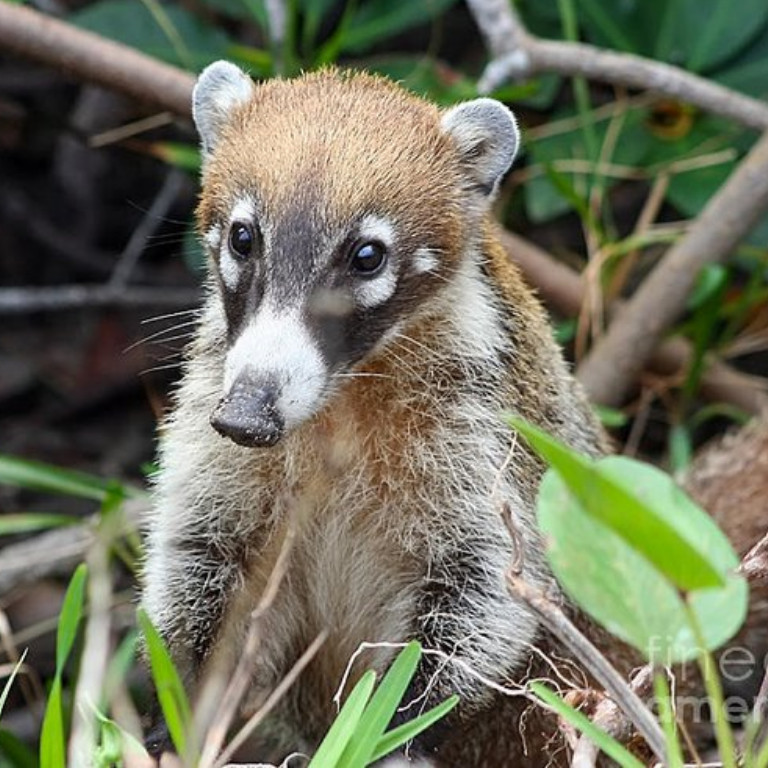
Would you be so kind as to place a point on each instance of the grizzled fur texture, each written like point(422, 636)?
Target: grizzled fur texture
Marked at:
point(389, 456)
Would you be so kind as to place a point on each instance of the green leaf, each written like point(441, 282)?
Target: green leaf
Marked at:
point(607, 743)
point(69, 618)
point(610, 417)
point(133, 24)
point(343, 728)
point(184, 156)
point(53, 748)
point(9, 682)
point(170, 691)
point(709, 282)
point(609, 494)
point(620, 588)
point(24, 522)
point(24, 473)
point(381, 708)
point(427, 77)
point(395, 738)
point(377, 20)
point(16, 751)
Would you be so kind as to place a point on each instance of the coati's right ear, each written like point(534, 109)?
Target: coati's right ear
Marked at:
point(220, 88)
point(486, 136)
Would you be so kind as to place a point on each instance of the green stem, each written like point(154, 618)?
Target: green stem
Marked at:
point(667, 718)
point(580, 88)
point(723, 732)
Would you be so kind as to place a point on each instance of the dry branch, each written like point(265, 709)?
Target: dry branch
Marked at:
point(90, 57)
point(613, 365)
point(598, 666)
point(563, 289)
point(518, 54)
point(16, 301)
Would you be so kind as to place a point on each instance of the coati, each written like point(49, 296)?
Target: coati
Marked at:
point(362, 335)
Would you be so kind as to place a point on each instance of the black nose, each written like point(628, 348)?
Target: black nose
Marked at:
point(248, 415)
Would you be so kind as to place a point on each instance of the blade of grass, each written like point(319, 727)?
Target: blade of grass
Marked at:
point(381, 708)
point(9, 682)
point(15, 750)
point(667, 718)
point(345, 724)
point(170, 691)
point(37, 476)
point(53, 749)
point(69, 618)
point(607, 743)
point(407, 731)
point(24, 522)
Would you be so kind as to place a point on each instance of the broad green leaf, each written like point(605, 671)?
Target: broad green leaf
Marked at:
point(38, 476)
point(53, 748)
point(170, 691)
point(407, 731)
point(381, 708)
point(9, 682)
point(609, 492)
point(426, 77)
point(16, 751)
point(69, 618)
point(346, 722)
point(133, 24)
point(378, 20)
point(581, 722)
point(621, 588)
point(23, 522)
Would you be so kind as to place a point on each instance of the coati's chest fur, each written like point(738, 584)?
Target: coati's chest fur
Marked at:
point(362, 336)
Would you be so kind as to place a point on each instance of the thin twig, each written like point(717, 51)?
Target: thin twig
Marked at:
point(20, 301)
point(597, 665)
point(518, 54)
point(241, 677)
point(165, 198)
point(612, 367)
point(257, 718)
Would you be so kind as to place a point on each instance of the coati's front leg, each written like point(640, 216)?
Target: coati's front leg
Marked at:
point(473, 632)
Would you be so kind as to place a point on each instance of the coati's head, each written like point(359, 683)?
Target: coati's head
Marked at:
point(333, 207)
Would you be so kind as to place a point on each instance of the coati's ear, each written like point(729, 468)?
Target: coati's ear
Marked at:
point(220, 88)
point(487, 138)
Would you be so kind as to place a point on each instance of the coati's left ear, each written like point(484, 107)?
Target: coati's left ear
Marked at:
point(220, 88)
point(487, 138)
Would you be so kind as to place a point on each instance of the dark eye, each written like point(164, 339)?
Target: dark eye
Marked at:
point(241, 239)
point(368, 258)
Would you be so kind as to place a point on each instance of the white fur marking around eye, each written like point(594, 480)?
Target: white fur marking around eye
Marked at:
point(425, 260)
point(212, 237)
point(376, 290)
point(379, 228)
point(229, 268)
point(276, 344)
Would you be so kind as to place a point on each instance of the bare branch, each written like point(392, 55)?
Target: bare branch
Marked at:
point(558, 623)
point(563, 289)
point(18, 301)
point(518, 54)
point(609, 718)
point(614, 363)
point(92, 58)
point(57, 552)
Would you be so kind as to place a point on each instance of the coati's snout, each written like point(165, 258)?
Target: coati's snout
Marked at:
point(248, 415)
